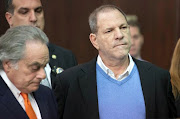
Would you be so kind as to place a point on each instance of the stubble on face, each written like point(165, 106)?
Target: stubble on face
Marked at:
point(113, 44)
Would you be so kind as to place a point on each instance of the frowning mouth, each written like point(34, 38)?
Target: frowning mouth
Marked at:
point(121, 44)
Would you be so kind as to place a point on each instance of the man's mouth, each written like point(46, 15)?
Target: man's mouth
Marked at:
point(120, 44)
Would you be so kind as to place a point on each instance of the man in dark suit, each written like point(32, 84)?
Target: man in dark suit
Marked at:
point(137, 39)
point(114, 85)
point(23, 56)
point(30, 12)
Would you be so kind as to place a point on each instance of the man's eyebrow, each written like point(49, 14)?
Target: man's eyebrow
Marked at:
point(39, 7)
point(23, 8)
point(108, 28)
point(124, 24)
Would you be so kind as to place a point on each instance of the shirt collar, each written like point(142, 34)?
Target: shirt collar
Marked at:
point(111, 74)
point(11, 86)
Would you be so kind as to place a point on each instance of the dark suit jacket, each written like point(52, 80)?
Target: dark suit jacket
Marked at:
point(11, 109)
point(177, 103)
point(64, 59)
point(76, 91)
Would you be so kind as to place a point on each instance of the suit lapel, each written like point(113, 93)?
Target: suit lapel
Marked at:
point(10, 102)
point(53, 63)
point(53, 79)
point(87, 81)
point(42, 104)
point(52, 57)
point(148, 85)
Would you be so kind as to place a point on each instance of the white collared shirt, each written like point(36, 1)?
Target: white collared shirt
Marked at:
point(111, 74)
point(17, 95)
point(48, 72)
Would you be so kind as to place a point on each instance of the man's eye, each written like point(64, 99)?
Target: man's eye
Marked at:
point(124, 27)
point(35, 68)
point(108, 31)
point(39, 10)
point(23, 11)
point(136, 37)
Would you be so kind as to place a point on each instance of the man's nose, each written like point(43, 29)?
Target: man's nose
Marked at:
point(118, 34)
point(33, 17)
point(42, 73)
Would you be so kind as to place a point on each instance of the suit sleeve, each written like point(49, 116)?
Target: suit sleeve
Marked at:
point(60, 91)
point(171, 100)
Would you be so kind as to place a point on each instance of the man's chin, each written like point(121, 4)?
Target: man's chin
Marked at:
point(35, 89)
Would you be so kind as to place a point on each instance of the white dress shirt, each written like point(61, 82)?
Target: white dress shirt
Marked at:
point(111, 74)
point(48, 72)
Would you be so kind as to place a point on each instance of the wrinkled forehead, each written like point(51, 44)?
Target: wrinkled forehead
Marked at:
point(109, 17)
point(107, 10)
point(26, 3)
point(36, 49)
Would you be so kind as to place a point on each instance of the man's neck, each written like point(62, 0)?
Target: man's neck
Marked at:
point(138, 57)
point(117, 66)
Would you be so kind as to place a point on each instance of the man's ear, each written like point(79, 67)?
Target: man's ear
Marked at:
point(93, 39)
point(6, 65)
point(9, 18)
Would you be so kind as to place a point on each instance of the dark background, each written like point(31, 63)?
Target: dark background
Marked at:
point(67, 26)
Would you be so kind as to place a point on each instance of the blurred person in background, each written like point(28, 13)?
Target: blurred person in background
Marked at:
point(175, 76)
point(137, 39)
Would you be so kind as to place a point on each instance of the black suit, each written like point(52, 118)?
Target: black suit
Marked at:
point(76, 91)
point(11, 109)
point(63, 59)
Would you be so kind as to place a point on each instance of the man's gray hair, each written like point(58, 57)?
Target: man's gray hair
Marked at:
point(13, 42)
point(93, 16)
point(9, 6)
